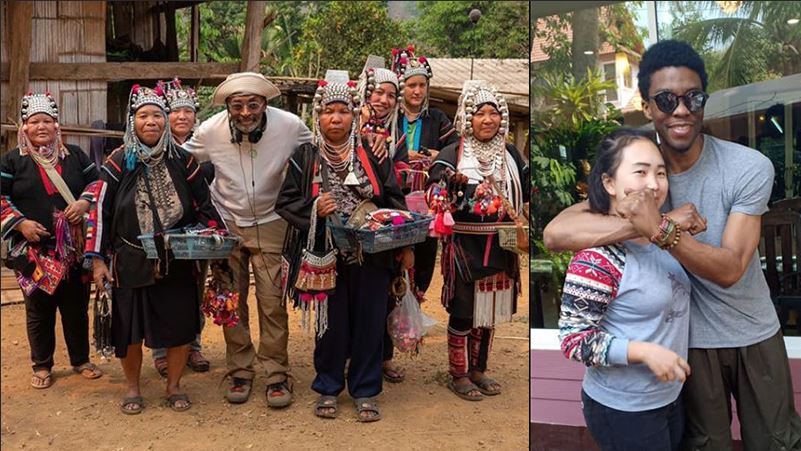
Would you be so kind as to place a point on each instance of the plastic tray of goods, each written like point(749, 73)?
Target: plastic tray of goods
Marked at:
point(188, 246)
point(383, 239)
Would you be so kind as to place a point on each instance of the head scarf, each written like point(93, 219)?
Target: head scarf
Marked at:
point(135, 150)
point(31, 105)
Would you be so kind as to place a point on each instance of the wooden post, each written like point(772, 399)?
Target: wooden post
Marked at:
point(520, 130)
point(251, 44)
point(172, 33)
point(20, 23)
point(194, 39)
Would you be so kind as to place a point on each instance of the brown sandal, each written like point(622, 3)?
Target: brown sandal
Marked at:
point(161, 366)
point(197, 362)
point(88, 370)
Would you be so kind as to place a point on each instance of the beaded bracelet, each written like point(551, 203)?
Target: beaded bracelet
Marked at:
point(662, 236)
point(675, 241)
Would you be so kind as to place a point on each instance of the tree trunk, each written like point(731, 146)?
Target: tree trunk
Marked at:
point(251, 44)
point(585, 38)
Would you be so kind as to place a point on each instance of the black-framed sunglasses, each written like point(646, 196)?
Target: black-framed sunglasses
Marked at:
point(667, 102)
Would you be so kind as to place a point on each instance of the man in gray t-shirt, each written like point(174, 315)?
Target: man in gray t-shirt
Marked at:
point(736, 348)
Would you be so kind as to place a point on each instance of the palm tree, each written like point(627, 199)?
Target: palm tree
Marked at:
point(753, 44)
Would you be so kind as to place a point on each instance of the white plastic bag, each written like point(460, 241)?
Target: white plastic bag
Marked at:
point(405, 323)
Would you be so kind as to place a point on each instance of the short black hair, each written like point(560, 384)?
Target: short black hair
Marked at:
point(669, 53)
point(607, 160)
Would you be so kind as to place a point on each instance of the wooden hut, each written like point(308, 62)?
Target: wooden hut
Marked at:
point(64, 47)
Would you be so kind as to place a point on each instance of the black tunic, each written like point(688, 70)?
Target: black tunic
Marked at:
point(437, 133)
point(119, 222)
point(474, 246)
point(23, 185)
point(295, 200)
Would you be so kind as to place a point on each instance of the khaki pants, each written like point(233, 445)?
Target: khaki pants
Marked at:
point(758, 377)
point(260, 247)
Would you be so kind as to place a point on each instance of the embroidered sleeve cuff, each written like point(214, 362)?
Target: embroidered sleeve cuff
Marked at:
point(618, 352)
point(11, 224)
point(91, 255)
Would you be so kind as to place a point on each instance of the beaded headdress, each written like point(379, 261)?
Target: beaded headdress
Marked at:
point(135, 150)
point(31, 105)
point(476, 93)
point(38, 103)
point(178, 97)
point(336, 87)
point(373, 75)
point(407, 65)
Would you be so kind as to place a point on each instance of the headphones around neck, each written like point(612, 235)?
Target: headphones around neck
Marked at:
point(254, 136)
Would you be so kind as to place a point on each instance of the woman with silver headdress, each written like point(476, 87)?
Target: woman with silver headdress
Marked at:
point(379, 113)
point(150, 185)
point(42, 223)
point(475, 185)
point(333, 176)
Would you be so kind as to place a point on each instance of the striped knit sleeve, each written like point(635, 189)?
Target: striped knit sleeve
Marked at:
point(591, 283)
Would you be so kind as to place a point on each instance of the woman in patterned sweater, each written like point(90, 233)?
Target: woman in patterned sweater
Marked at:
point(625, 311)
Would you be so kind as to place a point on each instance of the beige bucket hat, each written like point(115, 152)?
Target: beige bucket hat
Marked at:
point(244, 83)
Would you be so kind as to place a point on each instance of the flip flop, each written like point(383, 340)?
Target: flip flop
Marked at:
point(42, 382)
point(484, 386)
point(172, 400)
point(326, 402)
point(137, 401)
point(366, 405)
point(463, 391)
point(88, 366)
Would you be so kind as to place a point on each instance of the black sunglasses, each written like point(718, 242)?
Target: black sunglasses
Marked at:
point(667, 102)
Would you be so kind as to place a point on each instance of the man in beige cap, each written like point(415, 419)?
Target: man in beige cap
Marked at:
point(249, 145)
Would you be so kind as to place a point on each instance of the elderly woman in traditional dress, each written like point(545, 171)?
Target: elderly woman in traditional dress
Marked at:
point(477, 184)
point(42, 223)
point(183, 117)
point(149, 186)
point(330, 177)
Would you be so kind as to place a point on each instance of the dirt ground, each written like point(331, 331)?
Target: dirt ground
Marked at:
point(419, 413)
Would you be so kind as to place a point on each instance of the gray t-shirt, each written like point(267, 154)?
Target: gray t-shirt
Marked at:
point(727, 178)
point(652, 305)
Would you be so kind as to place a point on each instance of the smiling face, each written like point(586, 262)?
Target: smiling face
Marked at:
point(486, 122)
point(246, 111)
point(335, 122)
point(181, 122)
point(415, 90)
point(383, 99)
point(641, 167)
point(41, 129)
point(677, 130)
point(149, 123)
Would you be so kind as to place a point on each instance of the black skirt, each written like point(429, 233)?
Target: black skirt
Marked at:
point(164, 315)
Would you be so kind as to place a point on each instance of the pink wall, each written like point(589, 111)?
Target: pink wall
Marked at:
point(556, 389)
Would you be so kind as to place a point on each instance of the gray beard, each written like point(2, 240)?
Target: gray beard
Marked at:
point(246, 130)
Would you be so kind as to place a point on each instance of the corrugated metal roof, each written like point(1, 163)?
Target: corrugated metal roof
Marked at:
point(510, 76)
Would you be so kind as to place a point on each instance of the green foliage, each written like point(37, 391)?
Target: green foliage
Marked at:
point(552, 184)
point(559, 263)
point(754, 44)
point(444, 30)
point(340, 35)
